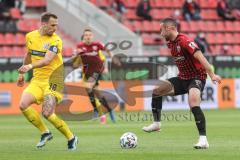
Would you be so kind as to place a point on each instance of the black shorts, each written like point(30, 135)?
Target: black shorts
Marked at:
point(183, 86)
point(95, 77)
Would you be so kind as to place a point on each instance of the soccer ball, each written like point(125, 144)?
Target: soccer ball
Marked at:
point(128, 140)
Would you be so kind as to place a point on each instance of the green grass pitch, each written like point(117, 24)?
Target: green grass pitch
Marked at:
point(101, 142)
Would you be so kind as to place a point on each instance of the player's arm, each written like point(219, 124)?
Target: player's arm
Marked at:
point(49, 56)
point(200, 57)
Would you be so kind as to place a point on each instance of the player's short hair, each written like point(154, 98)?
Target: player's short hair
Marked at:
point(170, 21)
point(87, 30)
point(47, 15)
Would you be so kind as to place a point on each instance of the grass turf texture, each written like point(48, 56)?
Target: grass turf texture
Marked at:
point(18, 138)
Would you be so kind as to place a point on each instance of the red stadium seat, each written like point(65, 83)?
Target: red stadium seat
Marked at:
point(19, 39)
point(36, 4)
point(210, 26)
point(156, 14)
point(68, 52)
point(220, 26)
point(138, 26)
point(156, 26)
point(15, 13)
point(211, 38)
point(194, 26)
point(208, 4)
point(9, 39)
point(131, 3)
point(6, 51)
point(147, 39)
point(229, 26)
point(236, 50)
point(164, 51)
point(147, 26)
point(129, 25)
point(17, 51)
point(229, 38)
point(219, 38)
point(236, 25)
point(184, 26)
point(2, 41)
point(23, 26)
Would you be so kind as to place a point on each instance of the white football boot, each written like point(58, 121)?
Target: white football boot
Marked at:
point(202, 143)
point(155, 126)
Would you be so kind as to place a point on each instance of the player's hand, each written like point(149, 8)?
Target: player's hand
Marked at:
point(20, 80)
point(25, 68)
point(216, 79)
point(116, 61)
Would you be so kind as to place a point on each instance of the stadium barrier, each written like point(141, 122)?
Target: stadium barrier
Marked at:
point(133, 95)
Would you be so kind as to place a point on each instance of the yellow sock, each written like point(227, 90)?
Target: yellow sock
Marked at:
point(33, 116)
point(61, 126)
point(99, 107)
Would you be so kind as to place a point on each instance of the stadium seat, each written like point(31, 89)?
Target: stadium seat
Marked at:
point(131, 3)
point(6, 51)
point(184, 26)
point(15, 13)
point(129, 25)
point(9, 39)
point(2, 41)
point(19, 39)
point(210, 38)
point(156, 26)
point(164, 51)
point(138, 26)
point(68, 51)
point(220, 26)
point(147, 26)
point(147, 39)
point(35, 4)
point(17, 51)
point(236, 50)
point(229, 26)
point(208, 4)
point(229, 38)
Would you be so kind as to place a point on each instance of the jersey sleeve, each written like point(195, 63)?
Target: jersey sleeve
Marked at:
point(101, 46)
point(189, 46)
point(56, 46)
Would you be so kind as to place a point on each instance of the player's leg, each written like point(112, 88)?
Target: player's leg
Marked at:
point(172, 86)
point(48, 111)
point(90, 84)
point(103, 102)
point(32, 94)
point(194, 99)
point(30, 113)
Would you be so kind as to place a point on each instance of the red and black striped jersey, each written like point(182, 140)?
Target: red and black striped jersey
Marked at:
point(182, 50)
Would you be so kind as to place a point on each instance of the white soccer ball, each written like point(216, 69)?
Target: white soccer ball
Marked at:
point(128, 140)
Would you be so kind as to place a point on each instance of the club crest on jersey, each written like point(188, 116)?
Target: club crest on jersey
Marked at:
point(94, 48)
point(45, 45)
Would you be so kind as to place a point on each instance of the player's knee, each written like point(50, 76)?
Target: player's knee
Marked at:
point(194, 101)
point(46, 114)
point(23, 105)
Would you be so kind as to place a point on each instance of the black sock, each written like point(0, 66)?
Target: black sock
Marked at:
point(156, 107)
point(92, 100)
point(105, 103)
point(200, 120)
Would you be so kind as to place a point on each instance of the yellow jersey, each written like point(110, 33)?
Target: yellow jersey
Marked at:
point(37, 47)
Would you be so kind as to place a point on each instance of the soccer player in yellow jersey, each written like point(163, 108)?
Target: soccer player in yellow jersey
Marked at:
point(45, 59)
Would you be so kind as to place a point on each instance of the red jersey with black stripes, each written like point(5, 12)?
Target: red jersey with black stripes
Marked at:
point(182, 50)
point(91, 58)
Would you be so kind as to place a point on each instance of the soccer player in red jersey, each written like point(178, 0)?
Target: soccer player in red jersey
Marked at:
point(92, 61)
point(193, 69)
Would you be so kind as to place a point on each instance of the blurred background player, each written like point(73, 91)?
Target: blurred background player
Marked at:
point(44, 57)
point(90, 56)
point(193, 68)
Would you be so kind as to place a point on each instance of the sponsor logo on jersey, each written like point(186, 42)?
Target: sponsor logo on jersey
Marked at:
point(91, 53)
